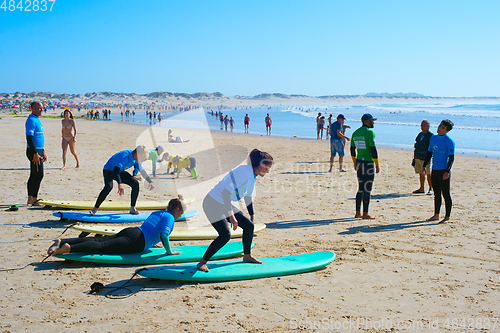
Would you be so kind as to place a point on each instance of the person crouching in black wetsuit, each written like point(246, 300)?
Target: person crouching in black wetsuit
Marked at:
point(238, 183)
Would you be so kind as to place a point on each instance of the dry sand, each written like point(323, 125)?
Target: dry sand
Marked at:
point(395, 271)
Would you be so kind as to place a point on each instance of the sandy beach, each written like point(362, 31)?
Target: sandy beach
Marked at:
point(397, 272)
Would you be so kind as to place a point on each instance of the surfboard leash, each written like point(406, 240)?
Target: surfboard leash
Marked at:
point(96, 287)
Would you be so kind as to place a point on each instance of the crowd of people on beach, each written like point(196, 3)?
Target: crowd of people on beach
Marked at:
point(226, 120)
point(236, 185)
point(440, 148)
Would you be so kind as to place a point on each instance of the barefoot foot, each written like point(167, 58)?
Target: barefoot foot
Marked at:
point(202, 267)
point(250, 259)
point(63, 249)
point(367, 217)
point(445, 220)
point(54, 247)
point(358, 215)
point(433, 218)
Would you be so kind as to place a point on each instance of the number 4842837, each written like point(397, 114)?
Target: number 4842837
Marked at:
point(27, 5)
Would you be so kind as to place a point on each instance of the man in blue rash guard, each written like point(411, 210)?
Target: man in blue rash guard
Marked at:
point(115, 168)
point(442, 152)
point(35, 151)
point(157, 227)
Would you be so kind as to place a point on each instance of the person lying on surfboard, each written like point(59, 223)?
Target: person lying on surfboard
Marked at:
point(115, 168)
point(238, 183)
point(157, 227)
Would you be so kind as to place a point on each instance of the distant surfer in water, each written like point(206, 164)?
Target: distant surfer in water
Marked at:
point(157, 227)
point(237, 184)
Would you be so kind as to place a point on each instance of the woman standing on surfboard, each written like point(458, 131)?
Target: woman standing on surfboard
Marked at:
point(157, 227)
point(238, 183)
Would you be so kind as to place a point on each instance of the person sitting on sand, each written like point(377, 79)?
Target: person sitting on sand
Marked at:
point(217, 206)
point(157, 227)
point(115, 168)
point(176, 139)
point(170, 136)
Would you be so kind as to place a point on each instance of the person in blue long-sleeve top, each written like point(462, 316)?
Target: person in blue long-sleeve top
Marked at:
point(115, 168)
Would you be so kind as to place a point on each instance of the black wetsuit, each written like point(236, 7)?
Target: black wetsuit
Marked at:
point(129, 240)
point(217, 212)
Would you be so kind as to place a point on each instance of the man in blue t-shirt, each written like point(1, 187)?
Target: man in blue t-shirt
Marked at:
point(337, 138)
point(442, 152)
point(35, 151)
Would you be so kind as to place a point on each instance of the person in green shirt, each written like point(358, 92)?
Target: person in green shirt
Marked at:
point(366, 163)
point(153, 156)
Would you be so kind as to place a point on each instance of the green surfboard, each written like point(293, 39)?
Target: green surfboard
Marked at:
point(237, 270)
point(155, 256)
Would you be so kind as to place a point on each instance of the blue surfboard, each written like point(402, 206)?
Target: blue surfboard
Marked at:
point(154, 256)
point(238, 270)
point(114, 217)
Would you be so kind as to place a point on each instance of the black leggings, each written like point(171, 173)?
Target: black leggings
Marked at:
point(36, 173)
point(126, 177)
point(129, 240)
point(366, 175)
point(216, 215)
point(441, 186)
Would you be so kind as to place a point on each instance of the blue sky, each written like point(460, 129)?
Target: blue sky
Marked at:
point(329, 47)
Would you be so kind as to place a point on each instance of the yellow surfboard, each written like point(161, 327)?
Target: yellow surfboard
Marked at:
point(179, 233)
point(110, 205)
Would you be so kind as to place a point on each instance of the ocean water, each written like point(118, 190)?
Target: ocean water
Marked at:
point(476, 131)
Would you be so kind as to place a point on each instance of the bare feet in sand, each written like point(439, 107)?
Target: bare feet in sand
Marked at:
point(358, 215)
point(433, 218)
point(54, 247)
point(250, 259)
point(366, 216)
point(133, 211)
point(445, 220)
